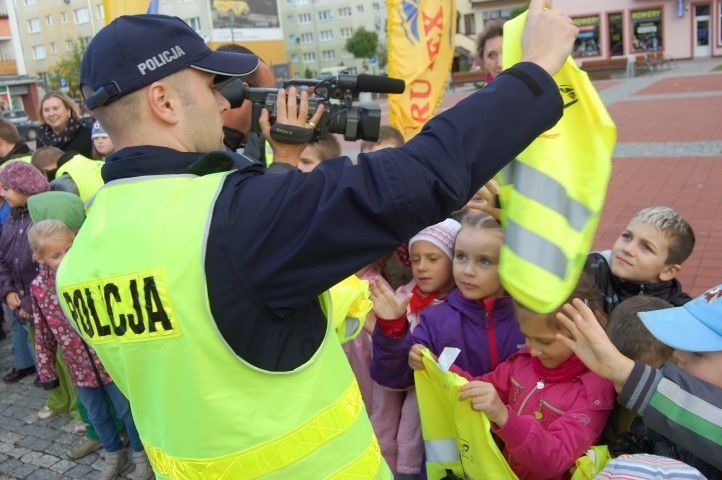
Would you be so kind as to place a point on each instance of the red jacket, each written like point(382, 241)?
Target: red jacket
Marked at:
point(573, 412)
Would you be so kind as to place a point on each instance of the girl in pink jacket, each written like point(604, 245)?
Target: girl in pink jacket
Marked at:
point(543, 403)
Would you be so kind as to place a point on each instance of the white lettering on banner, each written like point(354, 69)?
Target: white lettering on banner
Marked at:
point(160, 59)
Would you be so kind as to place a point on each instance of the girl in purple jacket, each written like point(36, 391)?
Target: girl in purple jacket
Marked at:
point(476, 317)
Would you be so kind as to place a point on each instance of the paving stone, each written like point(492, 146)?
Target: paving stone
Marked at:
point(80, 471)
point(10, 465)
point(63, 466)
point(40, 459)
point(24, 470)
point(41, 474)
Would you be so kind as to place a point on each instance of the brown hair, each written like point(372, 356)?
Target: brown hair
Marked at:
point(387, 134)
point(631, 337)
point(587, 291)
point(328, 148)
point(67, 101)
point(46, 156)
point(8, 132)
point(491, 29)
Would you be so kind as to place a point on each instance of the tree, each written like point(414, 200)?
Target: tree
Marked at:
point(515, 12)
point(69, 68)
point(363, 44)
point(383, 55)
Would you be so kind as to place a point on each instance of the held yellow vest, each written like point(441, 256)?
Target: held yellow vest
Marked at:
point(553, 193)
point(351, 304)
point(85, 173)
point(457, 439)
point(134, 286)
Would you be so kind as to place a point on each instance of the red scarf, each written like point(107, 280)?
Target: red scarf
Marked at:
point(421, 299)
point(563, 373)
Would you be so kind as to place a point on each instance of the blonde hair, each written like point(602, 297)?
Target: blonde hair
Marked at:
point(67, 101)
point(677, 229)
point(46, 230)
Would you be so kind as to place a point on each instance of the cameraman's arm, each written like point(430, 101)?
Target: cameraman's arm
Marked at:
point(289, 113)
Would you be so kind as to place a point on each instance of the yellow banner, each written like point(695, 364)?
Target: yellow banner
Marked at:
point(421, 37)
point(116, 8)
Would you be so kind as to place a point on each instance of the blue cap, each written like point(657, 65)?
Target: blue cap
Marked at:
point(98, 130)
point(694, 327)
point(137, 50)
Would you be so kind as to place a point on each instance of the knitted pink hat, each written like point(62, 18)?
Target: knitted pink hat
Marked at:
point(442, 235)
point(23, 178)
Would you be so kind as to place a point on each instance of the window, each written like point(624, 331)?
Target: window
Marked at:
point(64, 17)
point(34, 25)
point(294, 57)
point(469, 24)
point(325, 15)
point(82, 15)
point(306, 37)
point(100, 11)
point(647, 30)
point(346, 32)
point(194, 23)
point(301, 2)
point(84, 41)
point(359, 8)
point(290, 19)
point(615, 26)
point(375, 6)
point(49, 21)
point(327, 35)
point(587, 43)
point(29, 2)
point(329, 54)
point(304, 18)
point(293, 38)
point(53, 48)
point(344, 12)
point(309, 57)
point(69, 45)
point(39, 52)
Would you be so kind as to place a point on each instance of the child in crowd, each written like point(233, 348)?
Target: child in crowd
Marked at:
point(389, 137)
point(50, 240)
point(543, 402)
point(629, 335)
point(396, 423)
point(19, 180)
point(102, 144)
point(645, 259)
point(319, 151)
point(681, 402)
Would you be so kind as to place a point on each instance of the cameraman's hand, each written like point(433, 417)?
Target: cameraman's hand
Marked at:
point(289, 113)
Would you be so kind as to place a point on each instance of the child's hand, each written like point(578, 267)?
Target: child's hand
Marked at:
point(13, 300)
point(415, 357)
point(24, 314)
point(484, 200)
point(386, 305)
point(485, 399)
point(591, 344)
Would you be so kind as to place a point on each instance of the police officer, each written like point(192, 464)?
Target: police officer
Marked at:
point(200, 287)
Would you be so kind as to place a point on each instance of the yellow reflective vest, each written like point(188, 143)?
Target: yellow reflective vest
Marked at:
point(85, 173)
point(457, 439)
point(552, 194)
point(134, 287)
point(351, 304)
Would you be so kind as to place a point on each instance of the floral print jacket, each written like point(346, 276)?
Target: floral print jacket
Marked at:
point(52, 328)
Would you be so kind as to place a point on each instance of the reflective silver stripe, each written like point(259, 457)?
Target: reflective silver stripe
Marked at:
point(536, 249)
point(442, 451)
point(545, 190)
point(352, 325)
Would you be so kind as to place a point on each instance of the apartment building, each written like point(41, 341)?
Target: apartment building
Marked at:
point(315, 33)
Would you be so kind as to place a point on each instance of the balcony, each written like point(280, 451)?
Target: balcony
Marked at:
point(8, 67)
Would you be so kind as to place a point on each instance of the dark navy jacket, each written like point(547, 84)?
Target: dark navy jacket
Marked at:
point(277, 241)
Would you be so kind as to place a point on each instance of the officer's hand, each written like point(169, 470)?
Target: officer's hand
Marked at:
point(484, 398)
point(386, 305)
point(548, 37)
point(293, 114)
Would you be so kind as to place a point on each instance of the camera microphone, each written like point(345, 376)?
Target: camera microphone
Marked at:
point(377, 84)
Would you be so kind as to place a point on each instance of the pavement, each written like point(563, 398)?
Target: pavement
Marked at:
point(669, 152)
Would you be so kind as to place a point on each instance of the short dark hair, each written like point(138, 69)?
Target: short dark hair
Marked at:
point(252, 78)
point(631, 337)
point(492, 29)
point(8, 131)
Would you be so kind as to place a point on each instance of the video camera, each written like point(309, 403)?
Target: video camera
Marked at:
point(335, 93)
